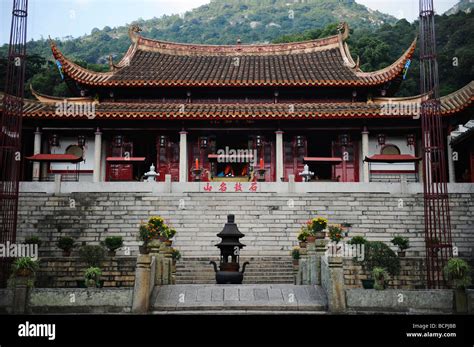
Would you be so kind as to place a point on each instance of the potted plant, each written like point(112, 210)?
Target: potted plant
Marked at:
point(154, 229)
point(378, 254)
point(92, 255)
point(92, 277)
point(66, 243)
point(33, 240)
point(113, 243)
point(357, 240)
point(335, 233)
point(302, 236)
point(316, 228)
point(346, 227)
point(168, 233)
point(295, 254)
point(402, 243)
point(25, 267)
point(380, 276)
point(175, 255)
point(457, 273)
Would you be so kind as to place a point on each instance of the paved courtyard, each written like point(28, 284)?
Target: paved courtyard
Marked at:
point(244, 297)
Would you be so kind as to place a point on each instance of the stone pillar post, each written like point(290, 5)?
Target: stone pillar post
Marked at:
point(320, 251)
point(365, 153)
point(37, 150)
point(279, 155)
point(97, 156)
point(183, 156)
point(332, 281)
point(20, 295)
point(451, 170)
point(141, 290)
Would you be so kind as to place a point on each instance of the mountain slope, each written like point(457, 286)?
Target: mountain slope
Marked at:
point(466, 6)
point(222, 22)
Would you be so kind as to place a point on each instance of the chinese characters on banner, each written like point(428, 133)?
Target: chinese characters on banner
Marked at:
point(229, 187)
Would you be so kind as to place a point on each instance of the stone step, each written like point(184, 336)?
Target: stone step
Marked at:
point(239, 298)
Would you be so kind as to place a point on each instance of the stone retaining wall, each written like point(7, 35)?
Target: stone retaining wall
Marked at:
point(270, 221)
point(61, 300)
point(412, 274)
point(60, 272)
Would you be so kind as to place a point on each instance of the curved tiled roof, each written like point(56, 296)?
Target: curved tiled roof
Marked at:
point(322, 62)
point(46, 109)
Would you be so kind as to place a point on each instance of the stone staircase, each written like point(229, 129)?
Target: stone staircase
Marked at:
point(268, 270)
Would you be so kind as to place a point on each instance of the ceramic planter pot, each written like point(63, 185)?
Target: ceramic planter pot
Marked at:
point(296, 262)
point(143, 249)
point(320, 235)
point(168, 243)
point(111, 253)
point(401, 254)
point(302, 244)
point(368, 284)
point(311, 239)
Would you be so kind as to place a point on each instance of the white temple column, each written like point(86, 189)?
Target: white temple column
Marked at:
point(279, 155)
point(183, 156)
point(37, 150)
point(451, 170)
point(97, 156)
point(365, 153)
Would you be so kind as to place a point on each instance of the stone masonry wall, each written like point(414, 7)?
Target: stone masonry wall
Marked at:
point(412, 274)
point(270, 221)
point(64, 272)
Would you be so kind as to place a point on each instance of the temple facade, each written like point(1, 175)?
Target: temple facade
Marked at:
point(235, 113)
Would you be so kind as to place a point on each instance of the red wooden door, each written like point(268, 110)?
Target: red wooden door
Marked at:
point(118, 171)
point(167, 161)
point(348, 169)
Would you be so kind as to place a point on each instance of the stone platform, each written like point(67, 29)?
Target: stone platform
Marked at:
point(252, 298)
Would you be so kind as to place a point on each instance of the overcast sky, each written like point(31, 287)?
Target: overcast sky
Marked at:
point(60, 18)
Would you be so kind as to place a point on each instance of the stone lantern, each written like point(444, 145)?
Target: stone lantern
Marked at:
point(230, 247)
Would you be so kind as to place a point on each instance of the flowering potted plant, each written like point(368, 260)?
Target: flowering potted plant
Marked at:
point(336, 233)
point(346, 228)
point(302, 236)
point(154, 229)
point(316, 227)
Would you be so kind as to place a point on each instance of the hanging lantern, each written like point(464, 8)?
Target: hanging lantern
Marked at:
point(118, 141)
point(203, 142)
point(259, 141)
point(54, 140)
point(299, 141)
point(411, 140)
point(344, 139)
point(381, 139)
point(111, 94)
point(81, 140)
point(383, 92)
point(163, 141)
point(354, 93)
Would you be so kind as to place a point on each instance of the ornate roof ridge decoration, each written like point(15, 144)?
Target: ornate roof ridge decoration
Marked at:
point(193, 49)
point(153, 63)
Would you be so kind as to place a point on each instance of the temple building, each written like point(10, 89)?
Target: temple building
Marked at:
point(235, 112)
